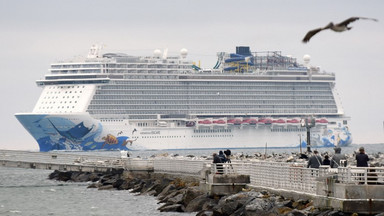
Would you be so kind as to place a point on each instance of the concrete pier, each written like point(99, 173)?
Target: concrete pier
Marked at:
point(222, 185)
point(347, 189)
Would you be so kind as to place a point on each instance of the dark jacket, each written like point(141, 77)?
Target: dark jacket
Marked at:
point(362, 160)
point(217, 159)
point(222, 157)
point(314, 161)
point(326, 161)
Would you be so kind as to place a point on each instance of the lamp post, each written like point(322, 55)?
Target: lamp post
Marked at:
point(308, 123)
point(300, 143)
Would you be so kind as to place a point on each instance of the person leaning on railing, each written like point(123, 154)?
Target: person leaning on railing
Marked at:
point(335, 161)
point(362, 158)
point(217, 161)
point(362, 161)
point(228, 155)
point(315, 160)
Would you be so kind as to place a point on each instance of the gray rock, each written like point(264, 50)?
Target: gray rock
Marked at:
point(190, 194)
point(296, 212)
point(172, 208)
point(208, 206)
point(137, 188)
point(197, 203)
point(259, 207)
point(178, 199)
point(205, 213)
point(171, 195)
point(166, 191)
point(226, 207)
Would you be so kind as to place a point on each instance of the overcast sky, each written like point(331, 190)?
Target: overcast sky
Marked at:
point(36, 33)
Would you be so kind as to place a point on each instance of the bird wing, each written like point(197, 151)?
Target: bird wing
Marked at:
point(311, 33)
point(352, 19)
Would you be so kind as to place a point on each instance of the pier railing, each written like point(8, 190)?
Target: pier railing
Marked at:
point(182, 166)
point(361, 175)
point(288, 176)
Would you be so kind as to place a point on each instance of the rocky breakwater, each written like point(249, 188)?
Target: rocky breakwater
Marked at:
point(183, 194)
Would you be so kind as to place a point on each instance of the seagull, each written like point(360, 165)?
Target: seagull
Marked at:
point(340, 27)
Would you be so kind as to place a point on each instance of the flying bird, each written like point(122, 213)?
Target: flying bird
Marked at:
point(339, 27)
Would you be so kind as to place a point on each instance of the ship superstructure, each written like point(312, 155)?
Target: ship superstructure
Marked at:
point(248, 99)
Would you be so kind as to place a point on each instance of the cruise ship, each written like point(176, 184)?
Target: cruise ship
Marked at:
point(247, 100)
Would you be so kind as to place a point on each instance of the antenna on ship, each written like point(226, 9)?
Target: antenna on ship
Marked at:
point(165, 53)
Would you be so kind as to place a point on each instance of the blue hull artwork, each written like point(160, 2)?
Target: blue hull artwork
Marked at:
point(60, 133)
point(341, 138)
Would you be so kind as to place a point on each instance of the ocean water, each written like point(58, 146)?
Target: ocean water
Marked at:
point(30, 192)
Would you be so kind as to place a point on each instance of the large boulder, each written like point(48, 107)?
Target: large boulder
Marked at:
point(228, 208)
point(172, 208)
point(190, 194)
point(173, 194)
point(197, 204)
point(166, 191)
point(178, 199)
point(205, 213)
point(259, 206)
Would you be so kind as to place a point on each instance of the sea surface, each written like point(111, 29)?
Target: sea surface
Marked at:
point(30, 192)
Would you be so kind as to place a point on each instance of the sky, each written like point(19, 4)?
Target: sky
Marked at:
point(36, 33)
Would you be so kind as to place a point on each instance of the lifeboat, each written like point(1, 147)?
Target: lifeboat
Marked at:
point(322, 121)
point(249, 122)
point(234, 122)
point(279, 121)
point(219, 121)
point(266, 121)
point(293, 121)
point(206, 121)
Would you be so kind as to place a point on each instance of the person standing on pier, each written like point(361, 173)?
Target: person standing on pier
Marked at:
point(335, 161)
point(228, 155)
point(362, 158)
point(217, 162)
point(315, 160)
point(326, 160)
point(222, 157)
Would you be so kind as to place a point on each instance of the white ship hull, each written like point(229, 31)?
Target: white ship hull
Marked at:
point(51, 132)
